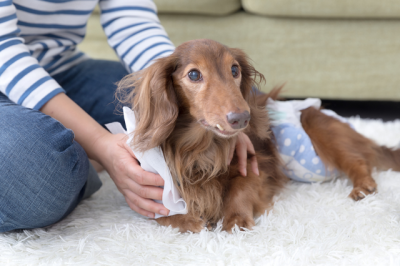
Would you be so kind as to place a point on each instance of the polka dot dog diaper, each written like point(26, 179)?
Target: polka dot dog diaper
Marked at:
point(301, 163)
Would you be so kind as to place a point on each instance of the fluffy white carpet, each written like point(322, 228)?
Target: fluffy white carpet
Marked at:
point(311, 224)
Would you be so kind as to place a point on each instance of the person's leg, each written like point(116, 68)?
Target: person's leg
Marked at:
point(92, 85)
point(44, 172)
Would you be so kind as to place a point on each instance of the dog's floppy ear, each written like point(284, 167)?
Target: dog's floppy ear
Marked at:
point(251, 79)
point(154, 102)
point(250, 76)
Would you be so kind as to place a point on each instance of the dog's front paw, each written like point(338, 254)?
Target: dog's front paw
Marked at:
point(367, 187)
point(183, 222)
point(242, 221)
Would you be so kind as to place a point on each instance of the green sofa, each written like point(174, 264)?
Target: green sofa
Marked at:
point(331, 49)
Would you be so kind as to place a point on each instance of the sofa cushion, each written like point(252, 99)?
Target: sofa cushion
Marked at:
point(325, 8)
point(207, 7)
point(327, 58)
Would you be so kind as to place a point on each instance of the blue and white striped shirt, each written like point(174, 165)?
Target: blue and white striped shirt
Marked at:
point(38, 39)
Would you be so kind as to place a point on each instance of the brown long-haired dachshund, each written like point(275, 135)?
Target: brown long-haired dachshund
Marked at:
point(193, 104)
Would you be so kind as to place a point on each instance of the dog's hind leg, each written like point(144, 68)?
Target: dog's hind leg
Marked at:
point(339, 146)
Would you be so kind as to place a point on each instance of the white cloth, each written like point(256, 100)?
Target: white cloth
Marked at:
point(301, 162)
point(153, 161)
point(289, 112)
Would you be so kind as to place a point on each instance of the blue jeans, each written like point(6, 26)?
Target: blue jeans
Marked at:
point(44, 172)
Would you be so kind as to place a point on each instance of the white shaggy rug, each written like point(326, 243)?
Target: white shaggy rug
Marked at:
point(311, 224)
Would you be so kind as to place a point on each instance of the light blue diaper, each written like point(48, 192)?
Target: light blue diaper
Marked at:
point(301, 163)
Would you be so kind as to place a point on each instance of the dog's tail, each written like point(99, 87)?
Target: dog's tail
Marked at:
point(273, 94)
point(387, 158)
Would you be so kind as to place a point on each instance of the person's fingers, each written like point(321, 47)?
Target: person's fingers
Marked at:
point(253, 159)
point(147, 192)
point(241, 152)
point(129, 150)
point(254, 165)
point(249, 144)
point(144, 206)
point(138, 186)
point(231, 152)
point(142, 177)
point(140, 210)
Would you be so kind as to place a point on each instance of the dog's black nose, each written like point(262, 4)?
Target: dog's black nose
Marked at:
point(238, 120)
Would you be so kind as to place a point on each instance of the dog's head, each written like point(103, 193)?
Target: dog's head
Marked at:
point(211, 82)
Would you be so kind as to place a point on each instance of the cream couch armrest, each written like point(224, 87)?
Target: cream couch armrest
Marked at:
point(325, 8)
point(205, 7)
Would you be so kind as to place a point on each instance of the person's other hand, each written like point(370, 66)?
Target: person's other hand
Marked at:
point(243, 146)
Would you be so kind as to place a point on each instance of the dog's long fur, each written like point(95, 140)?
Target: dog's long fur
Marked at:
point(181, 116)
point(168, 113)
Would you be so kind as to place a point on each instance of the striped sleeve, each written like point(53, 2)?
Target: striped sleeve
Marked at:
point(134, 32)
point(21, 77)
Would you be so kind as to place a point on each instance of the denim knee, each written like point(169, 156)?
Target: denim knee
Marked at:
point(44, 171)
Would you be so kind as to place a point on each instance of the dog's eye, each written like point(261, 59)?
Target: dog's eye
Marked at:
point(194, 75)
point(235, 71)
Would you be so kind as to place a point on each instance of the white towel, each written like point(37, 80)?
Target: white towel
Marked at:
point(153, 161)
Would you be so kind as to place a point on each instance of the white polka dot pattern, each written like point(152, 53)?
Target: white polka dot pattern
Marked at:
point(301, 162)
point(302, 148)
point(298, 154)
point(287, 142)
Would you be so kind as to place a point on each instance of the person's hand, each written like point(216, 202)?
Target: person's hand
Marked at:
point(243, 146)
point(138, 186)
